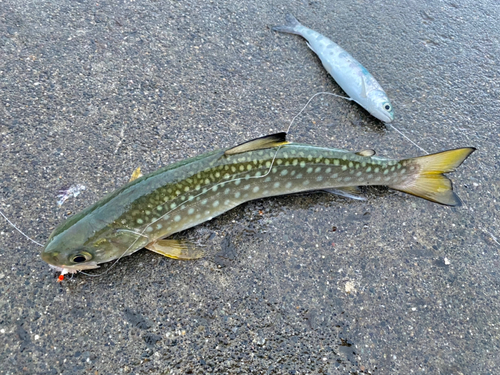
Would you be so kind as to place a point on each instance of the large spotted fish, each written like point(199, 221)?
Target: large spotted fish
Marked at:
point(150, 208)
point(353, 77)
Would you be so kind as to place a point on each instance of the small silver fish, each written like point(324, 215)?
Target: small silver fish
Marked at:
point(353, 77)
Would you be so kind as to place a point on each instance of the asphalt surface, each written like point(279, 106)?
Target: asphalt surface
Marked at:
point(304, 284)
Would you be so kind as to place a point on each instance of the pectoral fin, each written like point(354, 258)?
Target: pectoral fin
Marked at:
point(135, 174)
point(268, 141)
point(176, 249)
point(363, 88)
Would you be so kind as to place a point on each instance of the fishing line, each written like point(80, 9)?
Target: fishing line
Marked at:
point(141, 234)
point(347, 98)
point(19, 230)
point(408, 139)
point(309, 101)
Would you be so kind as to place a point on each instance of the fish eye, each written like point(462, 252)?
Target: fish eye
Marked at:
point(387, 107)
point(81, 257)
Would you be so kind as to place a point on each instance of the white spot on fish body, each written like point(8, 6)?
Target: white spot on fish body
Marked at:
point(237, 194)
point(215, 204)
point(191, 211)
point(177, 218)
point(255, 189)
point(284, 172)
point(276, 185)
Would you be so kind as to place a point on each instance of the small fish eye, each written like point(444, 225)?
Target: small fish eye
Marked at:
point(80, 258)
point(387, 107)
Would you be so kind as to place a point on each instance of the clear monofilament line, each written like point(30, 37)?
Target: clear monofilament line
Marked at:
point(344, 97)
point(408, 139)
point(309, 101)
point(19, 230)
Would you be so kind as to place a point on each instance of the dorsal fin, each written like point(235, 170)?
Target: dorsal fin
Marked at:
point(136, 174)
point(267, 141)
point(366, 153)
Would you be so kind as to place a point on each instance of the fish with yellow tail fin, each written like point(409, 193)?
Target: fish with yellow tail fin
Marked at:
point(144, 212)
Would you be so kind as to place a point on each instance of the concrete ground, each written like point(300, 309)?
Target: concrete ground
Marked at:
point(303, 284)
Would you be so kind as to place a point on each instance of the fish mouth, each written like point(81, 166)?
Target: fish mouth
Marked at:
point(384, 117)
point(74, 269)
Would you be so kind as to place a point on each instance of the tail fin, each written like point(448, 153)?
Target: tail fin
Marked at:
point(430, 183)
point(290, 27)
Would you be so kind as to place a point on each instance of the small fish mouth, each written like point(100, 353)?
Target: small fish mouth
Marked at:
point(74, 269)
point(385, 117)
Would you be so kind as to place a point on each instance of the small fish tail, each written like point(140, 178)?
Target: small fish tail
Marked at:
point(429, 182)
point(290, 27)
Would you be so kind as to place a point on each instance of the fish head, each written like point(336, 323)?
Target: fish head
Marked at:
point(380, 106)
point(82, 246)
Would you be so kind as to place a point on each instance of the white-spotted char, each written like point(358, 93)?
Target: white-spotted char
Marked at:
point(353, 77)
point(152, 207)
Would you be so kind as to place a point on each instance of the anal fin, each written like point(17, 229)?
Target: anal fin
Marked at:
point(176, 249)
point(350, 192)
point(267, 141)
